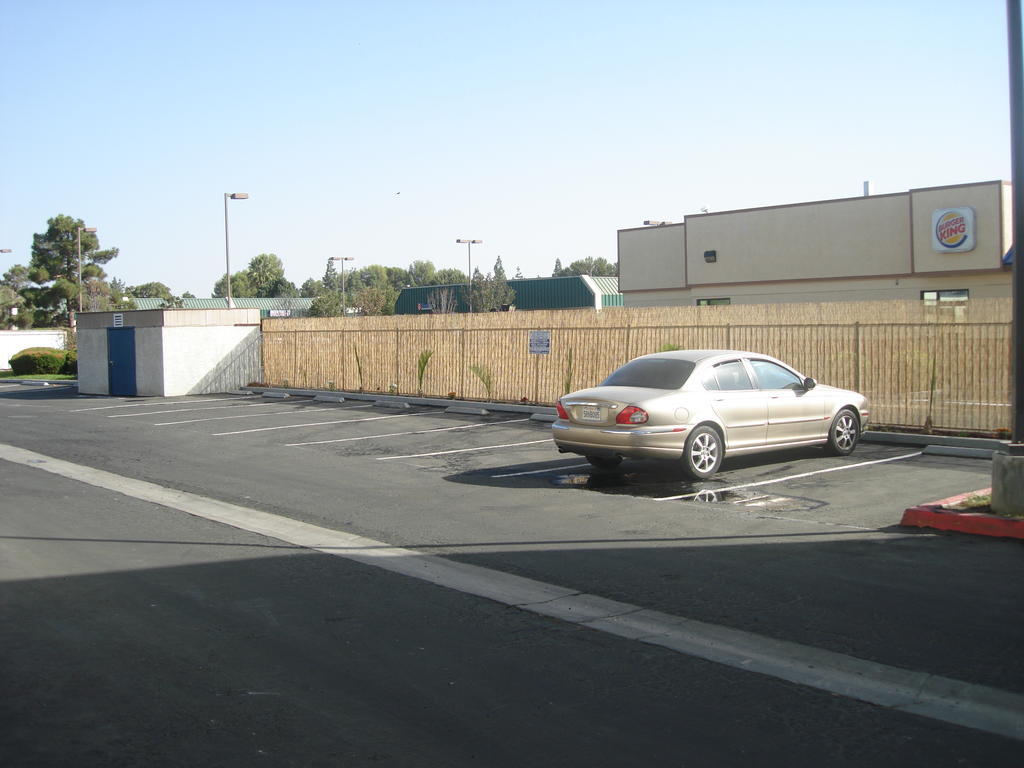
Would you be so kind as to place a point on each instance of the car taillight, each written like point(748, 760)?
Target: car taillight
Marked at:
point(631, 415)
point(562, 413)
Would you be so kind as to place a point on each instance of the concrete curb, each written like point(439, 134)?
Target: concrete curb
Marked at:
point(45, 382)
point(941, 516)
point(926, 516)
point(439, 402)
point(939, 441)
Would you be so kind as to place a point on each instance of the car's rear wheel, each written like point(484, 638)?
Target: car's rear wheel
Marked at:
point(702, 453)
point(843, 433)
point(605, 462)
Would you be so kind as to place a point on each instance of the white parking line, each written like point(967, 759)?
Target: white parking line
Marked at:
point(184, 410)
point(151, 403)
point(323, 423)
point(539, 471)
point(898, 689)
point(289, 412)
point(403, 434)
point(789, 477)
point(463, 450)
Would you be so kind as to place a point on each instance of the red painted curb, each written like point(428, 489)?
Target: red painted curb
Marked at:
point(933, 516)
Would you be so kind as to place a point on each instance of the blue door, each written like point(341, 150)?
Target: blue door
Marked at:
point(121, 361)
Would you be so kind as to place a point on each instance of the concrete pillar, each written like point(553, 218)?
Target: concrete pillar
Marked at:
point(1007, 484)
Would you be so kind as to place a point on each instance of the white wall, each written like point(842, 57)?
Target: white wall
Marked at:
point(149, 362)
point(12, 342)
point(203, 360)
point(92, 361)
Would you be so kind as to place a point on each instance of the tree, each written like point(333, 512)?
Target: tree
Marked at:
point(312, 288)
point(11, 314)
point(491, 291)
point(449, 277)
point(443, 300)
point(398, 278)
point(263, 278)
point(55, 267)
point(149, 291)
point(422, 273)
point(373, 275)
point(281, 288)
point(331, 280)
point(266, 277)
point(326, 305)
point(240, 286)
point(599, 267)
point(16, 278)
point(499, 269)
point(376, 299)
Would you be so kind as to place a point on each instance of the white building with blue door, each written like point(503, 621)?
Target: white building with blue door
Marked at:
point(168, 352)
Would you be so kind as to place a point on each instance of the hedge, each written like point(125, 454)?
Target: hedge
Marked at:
point(39, 360)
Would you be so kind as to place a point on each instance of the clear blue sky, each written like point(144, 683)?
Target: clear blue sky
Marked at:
point(538, 127)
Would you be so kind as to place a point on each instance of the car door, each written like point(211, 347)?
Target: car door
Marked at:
point(795, 414)
point(738, 404)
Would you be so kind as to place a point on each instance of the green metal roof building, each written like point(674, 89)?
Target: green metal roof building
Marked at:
point(575, 292)
point(280, 307)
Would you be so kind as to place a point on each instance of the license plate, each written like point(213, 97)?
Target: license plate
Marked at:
point(590, 413)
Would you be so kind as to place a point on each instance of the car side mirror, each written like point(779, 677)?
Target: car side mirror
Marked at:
point(810, 383)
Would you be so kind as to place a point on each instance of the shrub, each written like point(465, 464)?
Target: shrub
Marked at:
point(38, 360)
point(484, 374)
point(421, 367)
point(70, 366)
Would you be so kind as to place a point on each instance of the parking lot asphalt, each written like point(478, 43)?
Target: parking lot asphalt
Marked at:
point(793, 546)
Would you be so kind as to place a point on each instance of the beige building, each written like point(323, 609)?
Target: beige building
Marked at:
point(933, 244)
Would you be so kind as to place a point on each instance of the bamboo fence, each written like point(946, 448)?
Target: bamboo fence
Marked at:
point(944, 368)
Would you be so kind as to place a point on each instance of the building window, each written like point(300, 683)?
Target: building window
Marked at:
point(945, 298)
point(713, 302)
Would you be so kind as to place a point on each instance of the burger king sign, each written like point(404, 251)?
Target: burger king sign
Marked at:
point(953, 230)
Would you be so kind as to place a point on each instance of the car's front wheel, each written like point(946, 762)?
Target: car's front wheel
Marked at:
point(843, 433)
point(605, 462)
point(702, 453)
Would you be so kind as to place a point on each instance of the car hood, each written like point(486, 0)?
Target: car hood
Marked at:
point(835, 390)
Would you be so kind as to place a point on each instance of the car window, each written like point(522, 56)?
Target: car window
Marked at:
point(773, 376)
point(732, 376)
point(651, 372)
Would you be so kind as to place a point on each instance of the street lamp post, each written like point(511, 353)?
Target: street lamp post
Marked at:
point(227, 251)
point(342, 259)
point(469, 258)
point(78, 240)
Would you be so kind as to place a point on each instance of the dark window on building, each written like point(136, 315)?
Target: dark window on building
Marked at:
point(713, 302)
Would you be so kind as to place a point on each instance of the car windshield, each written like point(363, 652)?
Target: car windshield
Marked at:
point(651, 372)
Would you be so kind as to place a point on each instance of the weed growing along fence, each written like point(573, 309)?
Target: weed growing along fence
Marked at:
point(947, 367)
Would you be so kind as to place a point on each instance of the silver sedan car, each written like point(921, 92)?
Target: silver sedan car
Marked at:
point(701, 405)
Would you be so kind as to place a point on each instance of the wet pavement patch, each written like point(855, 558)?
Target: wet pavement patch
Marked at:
point(646, 485)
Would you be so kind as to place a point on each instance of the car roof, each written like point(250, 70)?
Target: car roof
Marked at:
point(699, 355)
